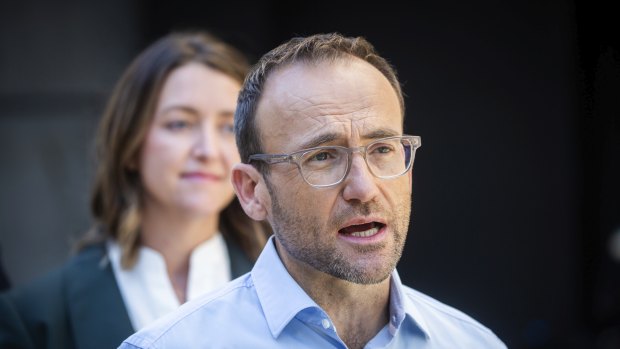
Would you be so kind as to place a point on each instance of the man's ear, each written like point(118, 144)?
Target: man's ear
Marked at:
point(250, 188)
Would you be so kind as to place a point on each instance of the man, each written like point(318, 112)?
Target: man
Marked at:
point(319, 127)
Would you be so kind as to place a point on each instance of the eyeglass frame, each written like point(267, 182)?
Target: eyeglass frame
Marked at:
point(294, 157)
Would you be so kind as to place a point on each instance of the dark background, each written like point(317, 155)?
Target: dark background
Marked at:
point(516, 197)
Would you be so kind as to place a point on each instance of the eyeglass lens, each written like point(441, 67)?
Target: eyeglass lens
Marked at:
point(385, 158)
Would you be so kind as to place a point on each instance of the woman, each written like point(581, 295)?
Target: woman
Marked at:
point(168, 226)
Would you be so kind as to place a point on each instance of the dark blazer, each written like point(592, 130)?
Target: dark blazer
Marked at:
point(78, 306)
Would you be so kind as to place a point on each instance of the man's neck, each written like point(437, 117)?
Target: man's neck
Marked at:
point(358, 311)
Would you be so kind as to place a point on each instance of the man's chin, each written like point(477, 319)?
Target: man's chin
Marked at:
point(366, 278)
point(364, 272)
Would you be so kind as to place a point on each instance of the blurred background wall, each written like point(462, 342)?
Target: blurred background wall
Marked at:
point(516, 193)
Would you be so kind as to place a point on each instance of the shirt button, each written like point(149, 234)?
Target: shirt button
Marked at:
point(325, 323)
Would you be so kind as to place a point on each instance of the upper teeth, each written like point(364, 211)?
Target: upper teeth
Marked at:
point(366, 233)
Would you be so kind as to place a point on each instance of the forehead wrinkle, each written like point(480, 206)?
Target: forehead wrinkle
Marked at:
point(324, 103)
point(345, 130)
point(330, 114)
point(336, 103)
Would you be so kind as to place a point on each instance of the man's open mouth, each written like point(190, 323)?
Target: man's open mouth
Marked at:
point(362, 230)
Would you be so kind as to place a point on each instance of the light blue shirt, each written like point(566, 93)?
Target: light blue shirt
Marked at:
point(266, 308)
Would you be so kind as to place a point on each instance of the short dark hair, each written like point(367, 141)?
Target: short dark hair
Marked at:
point(312, 49)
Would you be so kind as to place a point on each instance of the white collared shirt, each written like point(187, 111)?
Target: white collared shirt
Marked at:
point(146, 289)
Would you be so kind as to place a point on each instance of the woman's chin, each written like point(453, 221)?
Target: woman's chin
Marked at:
point(202, 207)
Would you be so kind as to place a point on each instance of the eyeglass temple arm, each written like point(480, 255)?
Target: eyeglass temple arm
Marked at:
point(271, 158)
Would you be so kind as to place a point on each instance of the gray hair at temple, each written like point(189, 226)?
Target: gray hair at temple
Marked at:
point(313, 49)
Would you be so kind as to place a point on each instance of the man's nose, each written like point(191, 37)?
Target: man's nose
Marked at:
point(360, 183)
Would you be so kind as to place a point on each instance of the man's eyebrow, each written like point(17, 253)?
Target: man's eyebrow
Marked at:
point(320, 140)
point(332, 136)
point(381, 133)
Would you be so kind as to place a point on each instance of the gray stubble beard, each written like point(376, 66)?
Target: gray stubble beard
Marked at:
point(327, 258)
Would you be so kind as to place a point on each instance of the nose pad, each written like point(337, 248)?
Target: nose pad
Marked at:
point(359, 165)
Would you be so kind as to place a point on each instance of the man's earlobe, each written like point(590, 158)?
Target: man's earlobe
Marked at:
point(248, 184)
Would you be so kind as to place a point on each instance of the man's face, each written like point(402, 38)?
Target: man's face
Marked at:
point(355, 230)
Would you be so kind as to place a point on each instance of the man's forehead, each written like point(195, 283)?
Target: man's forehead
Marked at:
point(325, 84)
point(330, 96)
point(305, 74)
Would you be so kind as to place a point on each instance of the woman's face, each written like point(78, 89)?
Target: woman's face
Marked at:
point(189, 150)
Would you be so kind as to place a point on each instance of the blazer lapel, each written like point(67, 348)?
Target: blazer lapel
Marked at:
point(97, 313)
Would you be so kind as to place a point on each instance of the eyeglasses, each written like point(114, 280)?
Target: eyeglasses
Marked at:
point(329, 165)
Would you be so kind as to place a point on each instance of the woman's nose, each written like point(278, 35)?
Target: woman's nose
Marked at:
point(206, 144)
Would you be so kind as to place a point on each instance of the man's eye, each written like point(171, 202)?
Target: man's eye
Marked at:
point(381, 149)
point(384, 149)
point(322, 156)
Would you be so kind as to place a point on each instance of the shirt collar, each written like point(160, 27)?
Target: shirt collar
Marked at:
point(146, 289)
point(401, 308)
point(282, 298)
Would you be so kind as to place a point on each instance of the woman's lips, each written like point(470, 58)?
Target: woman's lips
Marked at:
point(201, 176)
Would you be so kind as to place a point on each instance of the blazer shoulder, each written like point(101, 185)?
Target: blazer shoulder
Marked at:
point(70, 304)
point(29, 312)
point(50, 286)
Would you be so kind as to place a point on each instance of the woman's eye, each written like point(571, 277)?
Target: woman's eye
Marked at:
point(228, 128)
point(177, 125)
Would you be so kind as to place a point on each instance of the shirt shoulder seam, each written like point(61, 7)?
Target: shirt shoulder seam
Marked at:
point(445, 309)
point(222, 293)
